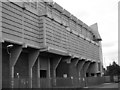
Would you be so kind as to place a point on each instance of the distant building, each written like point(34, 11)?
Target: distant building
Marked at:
point(44, 46)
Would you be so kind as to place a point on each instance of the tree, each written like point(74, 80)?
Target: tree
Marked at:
point(113, 69)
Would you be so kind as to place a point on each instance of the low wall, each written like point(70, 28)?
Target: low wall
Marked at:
point(90, 81)
point(64, 82)
point(107, 79)
point(60, 82)
point(95, 80)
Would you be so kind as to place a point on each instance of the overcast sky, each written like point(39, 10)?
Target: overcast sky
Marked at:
point(105, 13)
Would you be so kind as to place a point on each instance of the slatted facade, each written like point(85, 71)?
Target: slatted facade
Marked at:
point(21, 25)
point(48, 25)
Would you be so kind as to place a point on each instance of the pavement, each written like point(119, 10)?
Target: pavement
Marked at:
point(107, 85)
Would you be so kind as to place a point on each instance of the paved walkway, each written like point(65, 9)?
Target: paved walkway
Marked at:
point(106, 85)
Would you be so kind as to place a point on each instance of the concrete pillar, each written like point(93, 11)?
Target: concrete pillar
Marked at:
point(13, 57)
point(73, 65)
point(73, 71)
point(85, 67)
point(38, 72)
point(33, 55)
point(92, 68)
point(48, 73)
point(0, 66)
point(54, 63)
point(80, 66)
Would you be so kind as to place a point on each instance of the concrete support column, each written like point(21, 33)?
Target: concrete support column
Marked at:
point(54, 63)
point(88, 70)
point(38, 72)
point(73, 71)
point(13, 57)
point(0, 66)
point(73, 68)
point(92, 68)
point(80, 66)
point(33, 55)
point(85, 68)
point(48, 73)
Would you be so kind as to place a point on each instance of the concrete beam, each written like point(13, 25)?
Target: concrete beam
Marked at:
point(33, 55)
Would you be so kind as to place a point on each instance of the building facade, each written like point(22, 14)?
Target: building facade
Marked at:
point(43, 46)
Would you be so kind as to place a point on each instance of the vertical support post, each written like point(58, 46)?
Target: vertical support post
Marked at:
point(0, 65)
point(14, 55)
point(73, 64)
point(33, 55)
point(80, 65)
point(48, 73)
point(38, 73)
point(54, 63)
point(92, 68)
point(79, 68)
point(88, 70)
point(30, 77)
point(73, 70)
point(85, 67)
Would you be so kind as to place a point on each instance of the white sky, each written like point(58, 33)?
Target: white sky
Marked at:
point(105, 13)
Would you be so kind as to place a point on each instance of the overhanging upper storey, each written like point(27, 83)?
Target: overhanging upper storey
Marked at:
point(48, 27)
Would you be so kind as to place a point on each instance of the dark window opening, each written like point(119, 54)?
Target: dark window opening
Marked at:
point(92, 74)
point(98, 66)
point(43, 73)
point(87, 74)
